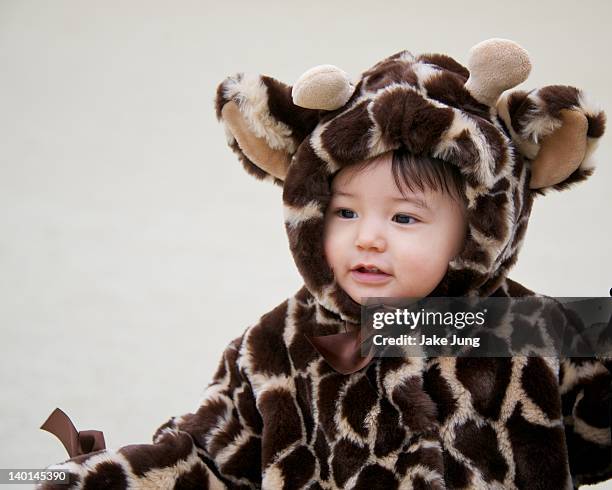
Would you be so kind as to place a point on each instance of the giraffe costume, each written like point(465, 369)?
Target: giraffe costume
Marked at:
point(278, 414)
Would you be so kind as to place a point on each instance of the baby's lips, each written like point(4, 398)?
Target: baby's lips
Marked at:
point(364, 267)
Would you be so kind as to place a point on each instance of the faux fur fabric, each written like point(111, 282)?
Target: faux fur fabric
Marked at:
point(277, 416)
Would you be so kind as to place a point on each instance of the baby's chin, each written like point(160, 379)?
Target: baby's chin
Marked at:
point(360, 296)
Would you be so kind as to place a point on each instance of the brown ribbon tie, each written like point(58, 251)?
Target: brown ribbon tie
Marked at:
point(76, 443)
point(342, 351)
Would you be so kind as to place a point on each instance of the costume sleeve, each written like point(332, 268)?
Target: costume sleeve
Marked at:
point(586, 397)
point(218, 446)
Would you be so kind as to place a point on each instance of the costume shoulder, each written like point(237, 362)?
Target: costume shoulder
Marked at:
point(585, 389)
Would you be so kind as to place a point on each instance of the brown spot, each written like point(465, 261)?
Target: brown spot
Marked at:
point(502, 185)
point(495, 143)
point(267, 349)
point(249, 451)
point(345, 303)
point(488, 216)
point(389, 432)
point(525, 333)
point(449, 89)
point(357, 403)
point(407, 118)
point(456, 474)
point(230, 358)
point(474, 252)
point(424, 123)
point(446, 62)
point(171, 448)
point(375, 476)
point(199, 424)
point(298, 468)
point(429, 457)
point(458, 282)
point(329, 387)
point(347, 460)
point(280, 104)
point(418, 483)
point(197, 477)
point(435, 384)
point(586, 457)
point(487, 380)
point(220, 99)
point(245, 402)
point(300, 350)
point(307, 181)
point(307, 247)
point(519, 107)
point(388, 364)
point(516, 289)
point(417, 408)
point(557, 97)
point(388, 112)
point(519, 169)
point(106, 475)
point(534, 443)
point(231, 430)
point(520, 232)
point(398, 55)
point(481, 446)
point(597, 125)
point(540, 384)
point(303, 388)
point(321, 448)
point(281, 423)
point(304, 295)
point(346, 138)
point(467, 155)
point(595, 407)
point(388, 73)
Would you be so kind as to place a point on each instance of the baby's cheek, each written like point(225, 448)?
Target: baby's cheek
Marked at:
point(327, 241)
point(423, 262)
point(332, 250)
point(418, 253)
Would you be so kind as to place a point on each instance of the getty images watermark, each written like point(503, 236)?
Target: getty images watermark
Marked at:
point(487, 327)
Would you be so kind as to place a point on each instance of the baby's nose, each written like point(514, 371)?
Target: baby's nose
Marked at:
point(370, 237)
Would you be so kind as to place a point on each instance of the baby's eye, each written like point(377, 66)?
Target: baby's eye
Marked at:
point(405, 219)
point(344, 213)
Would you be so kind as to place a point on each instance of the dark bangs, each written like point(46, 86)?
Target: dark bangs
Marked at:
point(422, 173)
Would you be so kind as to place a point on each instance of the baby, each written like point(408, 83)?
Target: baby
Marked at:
point(416, 180)
point(403, 215)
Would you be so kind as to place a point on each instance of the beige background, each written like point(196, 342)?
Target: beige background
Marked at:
point(133, 247)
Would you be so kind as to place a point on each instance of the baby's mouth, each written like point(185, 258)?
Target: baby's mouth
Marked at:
point(371, 271)
point(369, 275)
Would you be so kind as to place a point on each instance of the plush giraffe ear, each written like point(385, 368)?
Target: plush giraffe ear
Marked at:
point(561, 152)
point(262, 124)
point(557, 130)
point(257, 149)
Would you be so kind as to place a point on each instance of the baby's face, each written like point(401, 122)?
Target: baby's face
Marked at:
point(369, 222)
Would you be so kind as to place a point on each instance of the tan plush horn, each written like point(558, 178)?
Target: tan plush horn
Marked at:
point(561, 152)
point(496, 65)
point(324, 87)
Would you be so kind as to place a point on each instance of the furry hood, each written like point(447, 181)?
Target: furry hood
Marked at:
point(510, 147)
